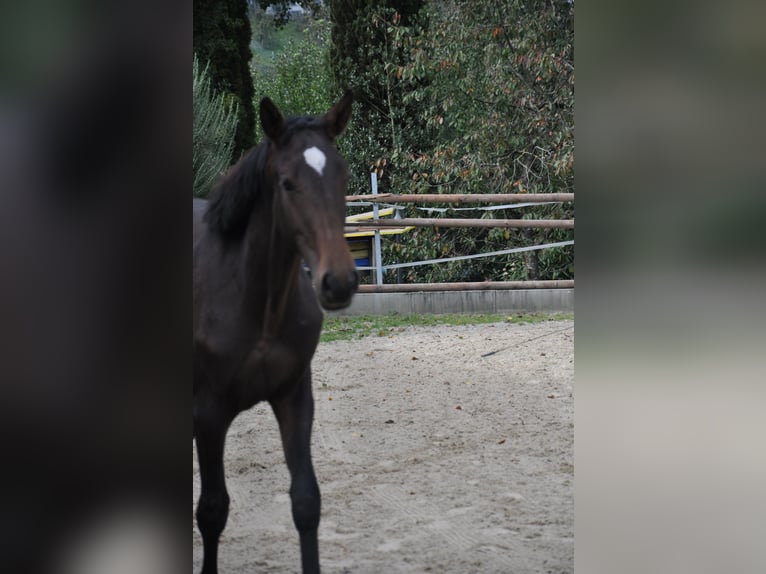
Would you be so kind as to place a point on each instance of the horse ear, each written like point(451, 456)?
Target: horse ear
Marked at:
point(272, 122)
point(337, 118)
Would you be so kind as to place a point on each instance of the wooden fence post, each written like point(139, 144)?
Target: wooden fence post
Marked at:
point(376, 239)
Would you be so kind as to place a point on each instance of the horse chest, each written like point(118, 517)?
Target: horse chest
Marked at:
point(272, 368)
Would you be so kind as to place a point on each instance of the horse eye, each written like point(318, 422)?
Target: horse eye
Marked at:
point(288, 185)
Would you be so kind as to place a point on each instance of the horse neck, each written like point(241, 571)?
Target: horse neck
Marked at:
point(272, 262)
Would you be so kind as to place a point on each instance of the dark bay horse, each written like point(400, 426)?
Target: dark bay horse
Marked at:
point(257, 316)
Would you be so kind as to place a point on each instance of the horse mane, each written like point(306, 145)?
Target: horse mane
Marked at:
point(236, 192)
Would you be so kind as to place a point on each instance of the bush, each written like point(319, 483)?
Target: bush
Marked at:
point(215, 122)
point(299, 81)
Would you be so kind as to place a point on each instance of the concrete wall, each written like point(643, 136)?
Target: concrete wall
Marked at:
point(437, 302)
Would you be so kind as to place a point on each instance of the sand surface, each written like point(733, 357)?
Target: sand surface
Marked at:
point(430, 457)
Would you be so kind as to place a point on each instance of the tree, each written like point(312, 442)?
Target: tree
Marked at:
point(222, 41)
point(363, 52)
point(489, 88)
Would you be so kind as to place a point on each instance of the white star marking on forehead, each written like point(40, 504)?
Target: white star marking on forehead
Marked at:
point(315, 158)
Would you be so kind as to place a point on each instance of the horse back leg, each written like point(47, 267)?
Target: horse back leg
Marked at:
point(295, 414)
point(210, 427)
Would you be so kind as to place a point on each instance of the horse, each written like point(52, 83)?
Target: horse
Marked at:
point(257, 316)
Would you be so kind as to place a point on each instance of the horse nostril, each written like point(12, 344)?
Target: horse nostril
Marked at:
point(340, 287)
point(327, 283)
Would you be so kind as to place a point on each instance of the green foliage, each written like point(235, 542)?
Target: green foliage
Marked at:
point(498, 95)
point(222, 37)
point(215, 122)
point(464, 97)
point(299, 81)
point(363, 53)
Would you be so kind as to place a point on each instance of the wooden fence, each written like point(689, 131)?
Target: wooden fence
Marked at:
point(376, 224)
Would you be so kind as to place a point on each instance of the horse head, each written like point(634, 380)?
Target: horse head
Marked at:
point(310, 189)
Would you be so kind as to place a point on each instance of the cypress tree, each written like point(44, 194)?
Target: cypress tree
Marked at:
point(222, 42)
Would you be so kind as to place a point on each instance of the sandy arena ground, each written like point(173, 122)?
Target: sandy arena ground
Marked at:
point(430, 458)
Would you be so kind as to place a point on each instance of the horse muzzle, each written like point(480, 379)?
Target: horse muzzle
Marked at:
point(336, 289)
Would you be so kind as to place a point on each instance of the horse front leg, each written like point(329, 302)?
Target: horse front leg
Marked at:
point(210, 429)
point(295, 414)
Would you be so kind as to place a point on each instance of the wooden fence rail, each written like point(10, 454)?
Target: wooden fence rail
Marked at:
point(373, 228)
point(464, 198)
point(473, 286)
point(438, 222)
